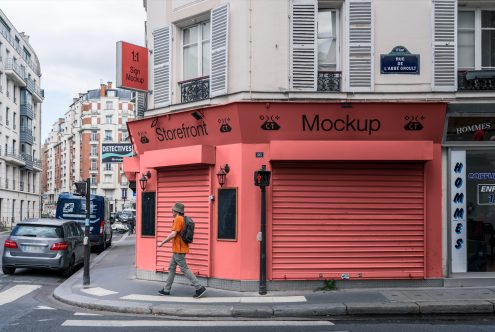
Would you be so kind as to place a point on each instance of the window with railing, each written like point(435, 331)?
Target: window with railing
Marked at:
point(476, 49)
point(329, 76)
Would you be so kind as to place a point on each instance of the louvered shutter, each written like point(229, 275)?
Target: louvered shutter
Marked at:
point(360, 45)
point(219, 50)
point(444, 45)
point(303, 45)
point(162, 39)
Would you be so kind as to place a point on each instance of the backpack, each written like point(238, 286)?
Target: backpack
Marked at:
point(187, 233)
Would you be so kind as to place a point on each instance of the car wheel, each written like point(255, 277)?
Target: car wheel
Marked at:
point(70, 269)
point(8, 270)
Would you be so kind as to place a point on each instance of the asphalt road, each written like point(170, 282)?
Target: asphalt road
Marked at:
point(26, 304)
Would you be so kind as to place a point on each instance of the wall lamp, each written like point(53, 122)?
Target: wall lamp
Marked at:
point(143, 181)
point(222, 174)
point(198, 115)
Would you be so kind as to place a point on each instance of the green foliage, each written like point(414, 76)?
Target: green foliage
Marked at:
point(329, 285)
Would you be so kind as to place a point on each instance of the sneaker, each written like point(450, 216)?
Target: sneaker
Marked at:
point(163, 292)
point(200, 292)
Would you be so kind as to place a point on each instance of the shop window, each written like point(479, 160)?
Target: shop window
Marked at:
point(148, 214)
point(227, 214)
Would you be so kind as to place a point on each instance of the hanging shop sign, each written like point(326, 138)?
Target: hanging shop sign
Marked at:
point(115, 152)
point(399, 61)
point(132, 67)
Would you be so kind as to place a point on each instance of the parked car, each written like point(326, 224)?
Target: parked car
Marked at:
point(44, 243)
point(73, 207)
point(127, 216)
point(118, 226)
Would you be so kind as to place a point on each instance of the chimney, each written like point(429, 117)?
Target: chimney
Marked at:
point(109, 84)
point(103, 89)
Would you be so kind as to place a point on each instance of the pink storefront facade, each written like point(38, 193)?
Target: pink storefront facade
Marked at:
point(355, 192)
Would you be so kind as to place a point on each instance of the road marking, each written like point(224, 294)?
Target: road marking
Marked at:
point(16, 292)
point(182, 323)
point(98, 291)
point(42, 307)
point(85, 314)
point(269, 299)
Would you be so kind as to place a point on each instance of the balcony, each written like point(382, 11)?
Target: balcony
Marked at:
point(37, 166)
point(329, 81)
point(195, 89)
point(34, 89)
point(475, 80)
point(28, 159)
point(26, 136)
point(15, 72)
point(27, 110)
point(11, 157)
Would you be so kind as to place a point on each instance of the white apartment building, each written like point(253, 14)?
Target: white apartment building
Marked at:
point(20, 126)
point(375, 117)
point(73, 150)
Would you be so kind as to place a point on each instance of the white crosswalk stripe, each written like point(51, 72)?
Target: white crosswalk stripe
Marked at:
point(181, 299)
point(16, 292)
point(85, 314)
point(182, 323)
point(42, 307)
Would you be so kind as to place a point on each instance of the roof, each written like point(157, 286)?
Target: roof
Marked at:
point(44, 221)
point(74, 196)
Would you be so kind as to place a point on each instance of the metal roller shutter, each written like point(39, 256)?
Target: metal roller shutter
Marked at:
point(339, 220)
point(190, 186)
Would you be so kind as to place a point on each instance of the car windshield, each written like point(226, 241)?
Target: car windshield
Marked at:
point(38, 231)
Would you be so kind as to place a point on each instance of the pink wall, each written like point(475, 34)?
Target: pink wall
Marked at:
point(239, 260)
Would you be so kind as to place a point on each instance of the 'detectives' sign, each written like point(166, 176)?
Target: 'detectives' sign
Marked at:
point(132, 67)
point(115, 152)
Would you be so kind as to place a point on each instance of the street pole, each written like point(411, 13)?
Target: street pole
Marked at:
point(262, 180)
point(262, 289)
point(87, 243)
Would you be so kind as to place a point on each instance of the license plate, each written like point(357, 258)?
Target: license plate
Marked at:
point(33, 249)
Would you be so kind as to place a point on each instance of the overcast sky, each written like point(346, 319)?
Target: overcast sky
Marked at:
point(75, 43)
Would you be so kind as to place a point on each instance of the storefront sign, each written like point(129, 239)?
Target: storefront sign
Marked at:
point(399, 61)
point(115, 152)
point(486, 194)
point(470, 128)
point(458, 212)
point(132, 67)
point(252, 123)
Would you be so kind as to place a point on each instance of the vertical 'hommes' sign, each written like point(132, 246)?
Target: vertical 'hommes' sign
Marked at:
point(132, 67)
point(458, 211)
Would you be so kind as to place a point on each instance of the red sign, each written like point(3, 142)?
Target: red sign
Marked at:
point(132, 67)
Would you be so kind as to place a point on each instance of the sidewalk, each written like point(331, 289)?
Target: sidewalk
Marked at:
point(114, 287)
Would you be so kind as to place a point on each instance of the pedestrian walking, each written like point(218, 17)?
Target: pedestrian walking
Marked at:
point(179, 251)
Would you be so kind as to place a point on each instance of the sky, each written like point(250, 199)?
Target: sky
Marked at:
point(75, 41)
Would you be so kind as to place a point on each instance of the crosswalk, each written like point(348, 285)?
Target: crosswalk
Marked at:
point(89, 319)
point(16, 292)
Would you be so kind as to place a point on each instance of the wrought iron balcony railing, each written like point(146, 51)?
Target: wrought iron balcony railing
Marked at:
point(329, 81)
point(195, 89)
point(475, 80)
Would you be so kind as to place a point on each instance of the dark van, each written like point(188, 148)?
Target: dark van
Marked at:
point(73, 207)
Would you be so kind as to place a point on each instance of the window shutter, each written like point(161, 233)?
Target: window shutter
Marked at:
point(162, 39)
point(360, 45)
point(219, 50)
point(444, 45)
point(303, 45)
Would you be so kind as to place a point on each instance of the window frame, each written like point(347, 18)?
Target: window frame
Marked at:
point(338, 37)
point(477, 37)
point(199, 53)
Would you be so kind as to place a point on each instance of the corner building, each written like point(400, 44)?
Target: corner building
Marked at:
point(344, 102)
